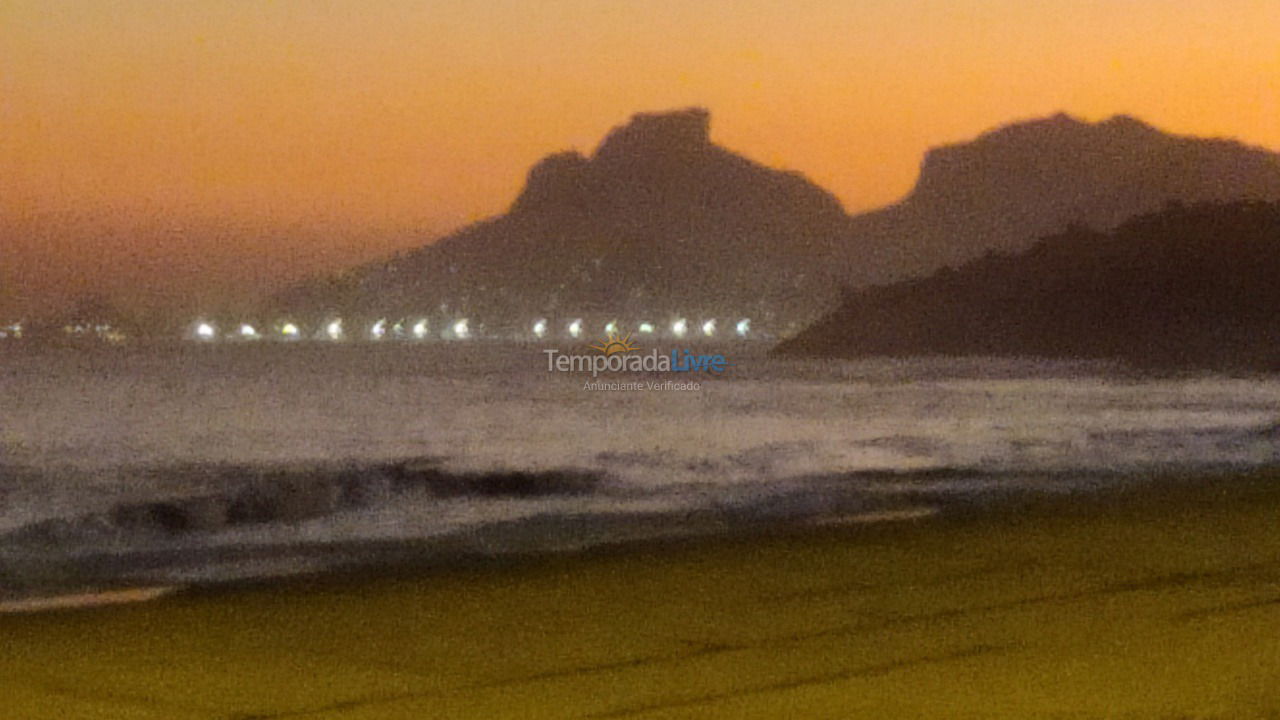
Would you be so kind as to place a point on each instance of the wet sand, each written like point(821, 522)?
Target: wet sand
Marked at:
point(1149, 603)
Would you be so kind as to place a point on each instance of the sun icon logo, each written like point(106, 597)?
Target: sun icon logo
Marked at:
point(615, 344)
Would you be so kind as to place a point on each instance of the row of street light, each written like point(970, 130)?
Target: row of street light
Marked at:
point(336, 330)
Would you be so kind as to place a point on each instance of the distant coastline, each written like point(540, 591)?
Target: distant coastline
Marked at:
point(1190, 287)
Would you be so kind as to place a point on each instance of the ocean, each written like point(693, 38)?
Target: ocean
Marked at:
point(184, 463)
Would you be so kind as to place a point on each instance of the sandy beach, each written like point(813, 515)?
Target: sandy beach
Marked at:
point(1158, 602)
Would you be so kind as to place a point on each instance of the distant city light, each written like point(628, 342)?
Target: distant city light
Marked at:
point(419, 328)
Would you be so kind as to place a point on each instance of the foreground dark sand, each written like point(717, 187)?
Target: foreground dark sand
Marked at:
point(1139, 605)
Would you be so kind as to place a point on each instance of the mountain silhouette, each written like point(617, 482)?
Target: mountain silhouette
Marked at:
point(1021, 182)
point(1189, 286)
point(659, 221)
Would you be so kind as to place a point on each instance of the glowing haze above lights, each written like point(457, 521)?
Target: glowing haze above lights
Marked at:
point(334, 330)
point(709, 328)
point(461, 330)
point(378, 330)
point(646, 327)
point(540, 328)
point(680, 327)
point(575, 328)
point(206, 331)
point(744, 327)
point(420, 329)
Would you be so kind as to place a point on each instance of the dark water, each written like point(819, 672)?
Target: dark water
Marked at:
point(195, 464)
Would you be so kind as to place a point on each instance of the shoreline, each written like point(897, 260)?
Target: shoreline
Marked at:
point(497, 547)
point(1155, 601)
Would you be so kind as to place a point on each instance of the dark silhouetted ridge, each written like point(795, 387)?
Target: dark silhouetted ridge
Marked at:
point(660, 221)
point(1190, 286)
point(1012, 185)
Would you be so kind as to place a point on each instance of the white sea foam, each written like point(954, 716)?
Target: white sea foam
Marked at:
point(81, 421)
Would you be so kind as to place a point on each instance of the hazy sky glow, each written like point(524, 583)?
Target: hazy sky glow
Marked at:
point(186, 151)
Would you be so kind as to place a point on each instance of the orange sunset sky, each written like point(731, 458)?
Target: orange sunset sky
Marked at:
point(174, 154)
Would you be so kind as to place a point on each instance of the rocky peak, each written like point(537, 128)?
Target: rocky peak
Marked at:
point(1025, 155)
point(679, 132)
point(555, 180)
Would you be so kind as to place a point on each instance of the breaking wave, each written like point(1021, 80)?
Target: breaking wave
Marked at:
point(158, 470)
